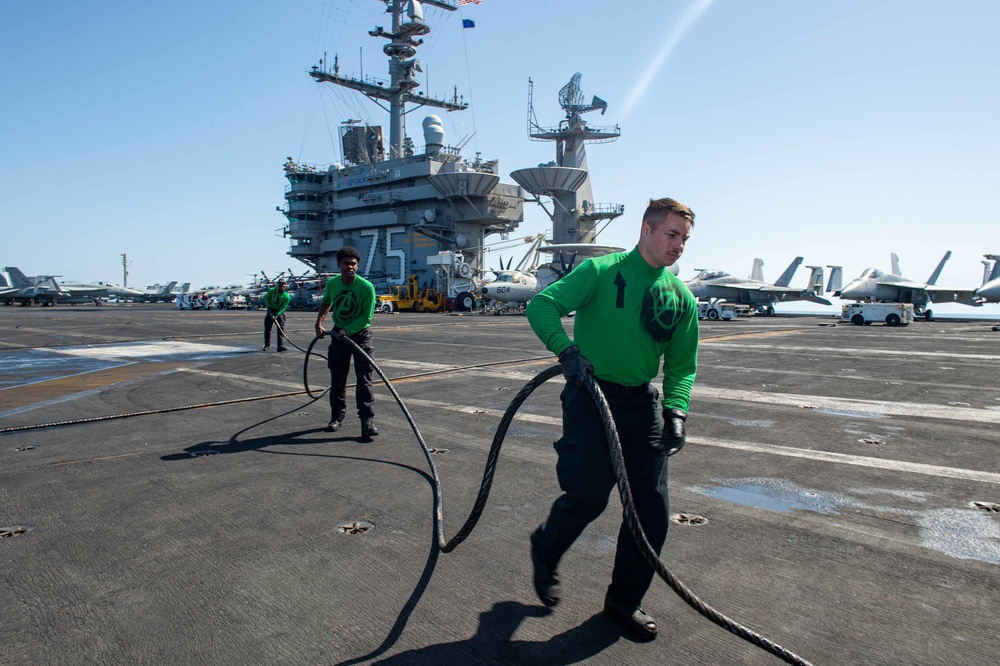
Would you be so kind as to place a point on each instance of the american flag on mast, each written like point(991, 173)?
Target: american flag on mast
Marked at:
point(469, 2)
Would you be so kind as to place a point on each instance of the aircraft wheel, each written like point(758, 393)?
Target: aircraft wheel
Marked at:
point(466, 302)
point(28, 303)
point(892, 320)
point(928, 314)
point(857, 320)
point(712, 314)
point(769, 310)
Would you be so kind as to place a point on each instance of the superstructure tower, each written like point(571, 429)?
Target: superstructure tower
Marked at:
point(406, 211)
point(575, 217)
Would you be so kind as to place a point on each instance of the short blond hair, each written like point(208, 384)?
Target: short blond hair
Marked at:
point(659, 209)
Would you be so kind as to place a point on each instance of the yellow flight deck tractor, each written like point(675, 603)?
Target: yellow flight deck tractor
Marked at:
point(411, 297)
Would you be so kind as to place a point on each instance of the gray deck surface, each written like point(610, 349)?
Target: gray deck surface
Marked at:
point(835, 466)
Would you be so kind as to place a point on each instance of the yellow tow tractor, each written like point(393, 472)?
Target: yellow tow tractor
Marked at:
point(410, 297)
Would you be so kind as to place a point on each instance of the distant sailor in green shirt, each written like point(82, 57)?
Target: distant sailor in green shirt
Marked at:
point(351, 300)
point(276, 301)
point(631, 312)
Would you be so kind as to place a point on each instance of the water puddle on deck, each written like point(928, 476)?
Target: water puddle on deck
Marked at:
point(957, 531)
point(772, 495)
point(842, 412)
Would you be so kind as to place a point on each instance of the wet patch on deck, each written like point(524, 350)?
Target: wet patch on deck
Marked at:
point(771, 494)
point(961, 532)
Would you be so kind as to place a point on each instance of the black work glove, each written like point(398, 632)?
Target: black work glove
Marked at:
point(672, 439)
point(575, 365)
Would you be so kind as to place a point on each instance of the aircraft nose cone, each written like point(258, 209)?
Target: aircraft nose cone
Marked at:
point(991, 293)
point(851, 292)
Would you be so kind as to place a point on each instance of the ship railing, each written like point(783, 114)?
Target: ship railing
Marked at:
point(601, 211)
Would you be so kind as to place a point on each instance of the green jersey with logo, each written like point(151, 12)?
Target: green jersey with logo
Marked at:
point(351, 305)
point(276, 302)
point(629, 316)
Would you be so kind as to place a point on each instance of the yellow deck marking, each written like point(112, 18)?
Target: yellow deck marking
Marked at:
point(744, 336)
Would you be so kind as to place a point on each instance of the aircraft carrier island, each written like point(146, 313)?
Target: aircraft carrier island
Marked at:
point(429, 213)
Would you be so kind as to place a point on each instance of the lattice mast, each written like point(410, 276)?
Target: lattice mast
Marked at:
point(407, 27)
point(575, 215)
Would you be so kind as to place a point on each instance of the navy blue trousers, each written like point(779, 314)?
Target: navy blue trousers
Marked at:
point(269, 320)
point(586, 478)
point(339, 361)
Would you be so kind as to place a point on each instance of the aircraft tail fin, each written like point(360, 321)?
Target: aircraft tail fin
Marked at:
point(937, 271)
point(17, 278)
point(836, 282)
point(895, 264)
point(4, 283)
point(168, 287)
point(186, 287)
point(815, 285)
point(786, 277)
point(757, 272)
point(995, 273)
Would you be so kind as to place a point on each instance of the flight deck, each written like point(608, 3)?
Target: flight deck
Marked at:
point(839, 494)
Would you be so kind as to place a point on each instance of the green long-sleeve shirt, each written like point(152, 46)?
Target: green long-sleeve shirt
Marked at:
point(629, 316)
point(275, 302)
point(351, 305)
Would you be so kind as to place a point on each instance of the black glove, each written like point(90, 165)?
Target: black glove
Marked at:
point(672, 439)
point(575, 365)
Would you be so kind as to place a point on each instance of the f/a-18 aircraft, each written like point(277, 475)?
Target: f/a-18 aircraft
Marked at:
point(158, 293)
point(17, 288)
point(517, 286)
point(876, 286)
point(711, 285)
point(990, 289)
point(46, 290)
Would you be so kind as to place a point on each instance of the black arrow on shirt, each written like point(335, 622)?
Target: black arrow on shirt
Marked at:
point(620, 282)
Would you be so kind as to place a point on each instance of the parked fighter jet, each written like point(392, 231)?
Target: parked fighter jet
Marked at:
point(41, 289)
point(158, 293)
point(46, 290)
point(990, 289)
point(529, 277)
point(719, 285)
point(876, 286)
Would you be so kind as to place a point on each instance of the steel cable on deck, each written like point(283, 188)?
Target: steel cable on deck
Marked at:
point(618, 464)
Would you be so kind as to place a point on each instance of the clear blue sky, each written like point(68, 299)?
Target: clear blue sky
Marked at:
point(839, 131)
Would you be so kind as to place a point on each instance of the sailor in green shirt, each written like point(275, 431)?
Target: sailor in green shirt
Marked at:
point(631, 312)
point(276, 301)
point(351, 300)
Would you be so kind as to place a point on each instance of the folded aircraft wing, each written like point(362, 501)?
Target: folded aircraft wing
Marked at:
point(949, 295)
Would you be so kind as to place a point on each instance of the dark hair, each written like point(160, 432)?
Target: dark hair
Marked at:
point(348, 252)
point(659, 209)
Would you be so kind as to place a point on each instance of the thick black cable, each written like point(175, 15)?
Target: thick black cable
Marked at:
point(628, 506)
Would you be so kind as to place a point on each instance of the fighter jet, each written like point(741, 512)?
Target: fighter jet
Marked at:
point(517, 286)
point(41, 289)
point(990, 289)
point(711, 285)
point(158, 293)
point(876, 286)
point(46, 290)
